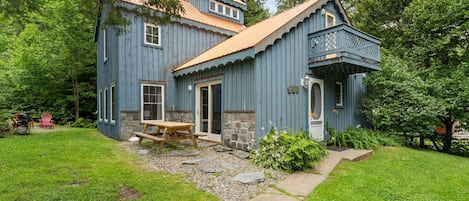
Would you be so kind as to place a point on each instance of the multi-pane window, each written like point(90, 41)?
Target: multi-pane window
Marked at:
point(113, 103)
point(105, 99)
point(152, 102)
point(152, 34)
point(339, 94)
point(224, 10)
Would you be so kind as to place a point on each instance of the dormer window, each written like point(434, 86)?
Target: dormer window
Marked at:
point(224, 10)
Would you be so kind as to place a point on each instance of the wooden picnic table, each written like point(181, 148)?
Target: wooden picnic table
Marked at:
point(168, 131)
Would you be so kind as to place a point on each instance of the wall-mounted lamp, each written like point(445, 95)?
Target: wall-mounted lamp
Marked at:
point(189, 88)
point(305, 81)
point(323, 11)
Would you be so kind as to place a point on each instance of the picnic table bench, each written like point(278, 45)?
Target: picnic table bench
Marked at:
point(168, 131)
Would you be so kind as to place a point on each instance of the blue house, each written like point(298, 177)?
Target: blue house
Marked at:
point(302, 68)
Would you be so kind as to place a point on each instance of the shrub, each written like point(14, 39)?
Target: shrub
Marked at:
point(4, 128)
point(83, 123)
point(359, 138)
point(289, 151)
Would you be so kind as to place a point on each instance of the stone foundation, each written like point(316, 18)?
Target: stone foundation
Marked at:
point(239, 129)
point(129, 122)
point(179, 116)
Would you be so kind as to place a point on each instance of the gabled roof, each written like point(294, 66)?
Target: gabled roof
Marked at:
point(256, 38)
point(193, 14)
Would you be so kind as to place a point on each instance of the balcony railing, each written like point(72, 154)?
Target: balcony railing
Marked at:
point(343, 43)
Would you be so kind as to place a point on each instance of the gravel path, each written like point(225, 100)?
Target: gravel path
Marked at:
point(220, 184)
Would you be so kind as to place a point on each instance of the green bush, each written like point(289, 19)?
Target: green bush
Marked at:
point(289, 151)
point(359, 138)
point(83, 123)
point(5, 128)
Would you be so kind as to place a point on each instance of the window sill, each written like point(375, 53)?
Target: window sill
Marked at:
point(149, 45)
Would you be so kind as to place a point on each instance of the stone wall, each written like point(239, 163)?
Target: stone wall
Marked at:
point(239, 129)
point(130, 122)
point(180, 116)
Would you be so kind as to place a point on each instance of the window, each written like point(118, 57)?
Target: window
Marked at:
point(152, 102)
point(106, 97)
point(113, 103)
point(100, 105)
point(224, 10)
point(339, 94)
point(152, 34)
point(105, 48)
point(330, 20)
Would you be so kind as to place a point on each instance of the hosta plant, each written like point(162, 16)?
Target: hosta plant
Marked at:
point(288, 150)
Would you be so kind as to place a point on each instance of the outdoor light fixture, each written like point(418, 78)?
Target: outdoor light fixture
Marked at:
point(189, 88)
point(323, 11)
point(305, 81)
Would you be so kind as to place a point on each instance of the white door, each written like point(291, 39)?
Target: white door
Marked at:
point(316, 108)
point(208, 109)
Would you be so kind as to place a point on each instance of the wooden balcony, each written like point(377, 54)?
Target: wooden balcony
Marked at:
point(345, 49)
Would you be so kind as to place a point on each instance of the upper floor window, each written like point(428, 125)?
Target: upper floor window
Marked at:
point(105, 48)
point(224, 10)
point(152, 102)
point(330, 20)
point(152, 34)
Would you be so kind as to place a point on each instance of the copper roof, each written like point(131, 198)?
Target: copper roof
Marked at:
point(191, 13)
point(260, 35)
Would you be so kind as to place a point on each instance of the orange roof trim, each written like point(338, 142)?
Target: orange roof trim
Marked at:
point(191, 13)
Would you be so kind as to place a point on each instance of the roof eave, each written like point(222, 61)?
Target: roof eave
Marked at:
point(221, 61)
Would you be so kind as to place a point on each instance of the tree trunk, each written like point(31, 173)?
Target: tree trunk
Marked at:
point(76, 98)
point(422, 141)
point(447, 138)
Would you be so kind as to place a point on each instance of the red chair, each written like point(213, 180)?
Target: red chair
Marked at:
point(46, 121)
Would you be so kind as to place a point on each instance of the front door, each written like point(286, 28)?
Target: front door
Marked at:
point(316, 108)
point(208, 109)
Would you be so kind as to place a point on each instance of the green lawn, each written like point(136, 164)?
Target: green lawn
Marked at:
point(81, 164)
point(398, 173)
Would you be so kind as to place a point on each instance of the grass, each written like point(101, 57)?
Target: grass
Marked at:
point(398, 173)
point(81, 164)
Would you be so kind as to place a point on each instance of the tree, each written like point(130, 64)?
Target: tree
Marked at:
point(255, 13)
point(438, 33)
point(116, 13)
point(432, 37)
point(397, 100)
point(283, 5)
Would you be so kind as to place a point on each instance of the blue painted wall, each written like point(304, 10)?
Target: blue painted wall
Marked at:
point(130, 61)
point(282, 65)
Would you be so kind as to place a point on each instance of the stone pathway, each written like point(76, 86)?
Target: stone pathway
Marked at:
point(299, 184)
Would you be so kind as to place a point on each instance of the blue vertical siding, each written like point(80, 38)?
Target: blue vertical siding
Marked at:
point(237, 80)
point(143, 62)
point(282, 65)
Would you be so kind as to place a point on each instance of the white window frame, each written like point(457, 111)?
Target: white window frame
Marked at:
point(328, 14)
point(100, 107)
point(224, 9)
point(142, 103)
point(105, 110)
point(145, 34)
point(112, 100)
point(339, 102)
point(105, 46)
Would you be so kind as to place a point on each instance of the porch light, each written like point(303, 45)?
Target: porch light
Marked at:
point(189, 88)
point(305, 81)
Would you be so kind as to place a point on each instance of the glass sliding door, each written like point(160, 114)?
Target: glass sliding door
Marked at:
point(209, 109)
